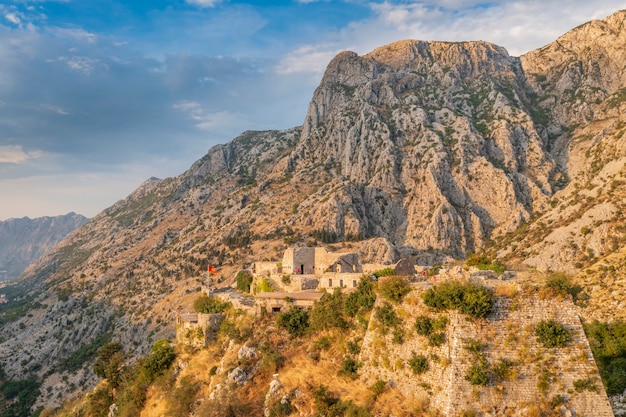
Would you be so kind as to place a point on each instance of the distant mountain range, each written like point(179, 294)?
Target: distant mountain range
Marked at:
point(23, 241)
point(421, 150)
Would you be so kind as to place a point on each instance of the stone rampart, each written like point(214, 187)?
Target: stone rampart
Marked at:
point(507, 333)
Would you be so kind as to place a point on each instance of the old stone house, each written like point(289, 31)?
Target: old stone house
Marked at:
point(197, 329)
point(315, 260)
point(276, 302)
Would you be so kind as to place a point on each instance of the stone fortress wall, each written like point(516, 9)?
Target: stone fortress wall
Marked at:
point(507, 333)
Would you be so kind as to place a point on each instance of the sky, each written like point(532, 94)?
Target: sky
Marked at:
point(97, 96)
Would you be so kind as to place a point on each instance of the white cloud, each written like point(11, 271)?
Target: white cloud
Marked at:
point(204, 3)
point(15, 154)
point(80, 64)
point(307, 59)
point(518, 26)
point(75, 34)
point(13, 18)
point(209, 120)
point(55, 109)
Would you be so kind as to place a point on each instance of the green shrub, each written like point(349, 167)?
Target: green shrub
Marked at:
point(418, 363)
point(230, 330)
point(469, 298)
point(385, 272)
point(272, 360)
point(282, 408)
point(349, 368)
point(588, 384)
point(323, 343)
point(394, 288)
point(109, 362)
point(353, 347)
point(544, 380)
point(362, 299)
point(436, 339)
point(209, 305)
point(484, 263)
point(477, 373)
point(398, 336)
point(378, 388)
point(560, 284)
point(552, 334)
point(473, 346)
point(557, 400)
point(330, 406)
point(439, 323)
point(503, 370)
point(244, 281)
point(295, 321)
point(83, 354)
point(423, 326)
point(98, 402)
point(386, 315)
point(20, 396)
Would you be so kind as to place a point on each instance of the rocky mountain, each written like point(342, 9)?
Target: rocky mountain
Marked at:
point(23, 241)
point(425, 150)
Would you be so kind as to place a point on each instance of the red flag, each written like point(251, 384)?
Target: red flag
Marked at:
point(212, 270)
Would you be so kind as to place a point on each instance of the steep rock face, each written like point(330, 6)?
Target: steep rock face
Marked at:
point(415, 130)
point(579, 87)
point(23, 241)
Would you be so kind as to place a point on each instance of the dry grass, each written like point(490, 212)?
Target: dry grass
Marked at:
point(301, 371)
point(506, 290)
point(393, 403)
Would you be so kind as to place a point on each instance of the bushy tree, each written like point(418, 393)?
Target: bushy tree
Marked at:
point(328, 312)
point(109, 362)
point(160, 359)
point(394, 288)
point(608, 343)
point(362, 299)
point(209, 305)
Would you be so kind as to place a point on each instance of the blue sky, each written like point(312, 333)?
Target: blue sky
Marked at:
point(96, 96)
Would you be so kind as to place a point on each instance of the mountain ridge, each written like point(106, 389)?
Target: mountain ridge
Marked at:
point(24, 240)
